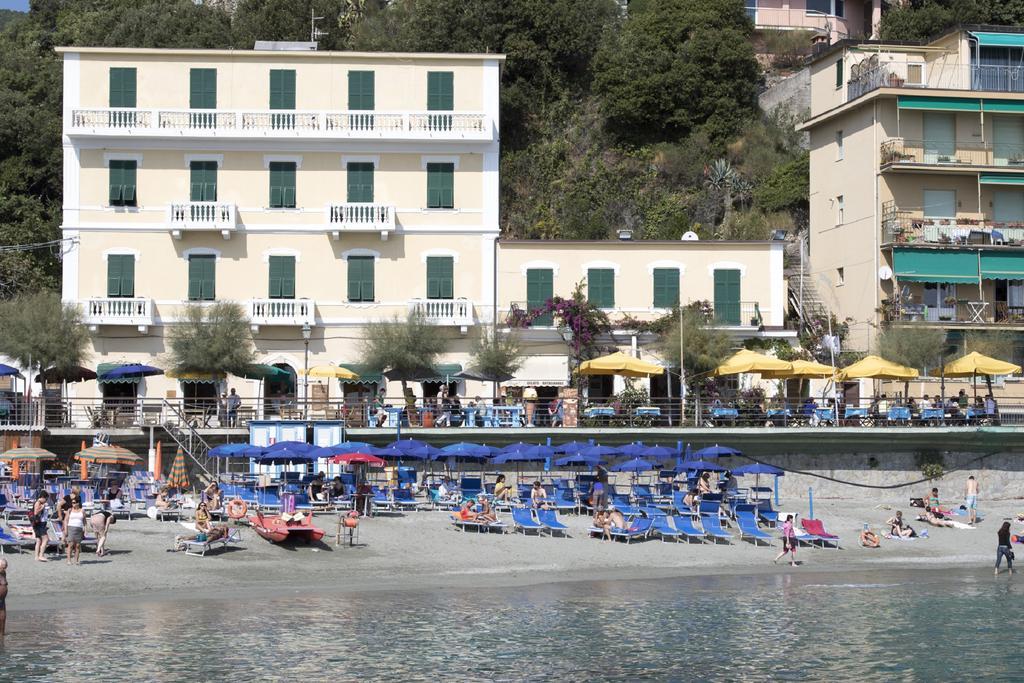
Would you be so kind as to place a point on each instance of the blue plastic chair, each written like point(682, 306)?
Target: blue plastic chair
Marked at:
point(684, 525)
point(549, 519)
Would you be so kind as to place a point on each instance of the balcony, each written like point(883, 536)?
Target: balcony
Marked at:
point(446, 312)
point(898, 152)
point(870, 75)
point(136, 312)
point(360, 217)
point(323, 125)
point(281, 312)
point(202, 216)
point(735, 314)
point(959, 313)
point(909, 226)
point(802, 19)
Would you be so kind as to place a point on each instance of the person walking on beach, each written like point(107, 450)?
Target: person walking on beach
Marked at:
point(39, 519)
point(74, 532)
point(3, 597)
point(1004, 549)
point(971, 500)
point(788, 542)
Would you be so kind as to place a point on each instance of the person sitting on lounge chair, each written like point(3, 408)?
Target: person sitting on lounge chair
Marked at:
point(601, 521)
point(466, 513)
point(486, 513)
point(315, 490)
point(448, 492)
point(163, 499)
point(502, 491)
point(337, 489)
point(869, 539)
point(216, 533)
point(616, 519)
point(691, 498)
point(213, 495)
point(538, 496)
point(203, 523)
point(704, 484)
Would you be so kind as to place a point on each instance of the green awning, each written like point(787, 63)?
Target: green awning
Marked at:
point(104, 368)
point(1002, 266)
point(939, 103)
point(999, 39)
point(1005, 106)
point(936, 265)
point(443, 372)
point(367, 374)
point(1001, 179)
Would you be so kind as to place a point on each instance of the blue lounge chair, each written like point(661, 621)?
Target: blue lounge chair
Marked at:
point(381, 501)
point(618, 499)
point(524, 521)
point(638, 528)
point(765, 512)
point(678, 505)
point(711, 508)
point(642, 494)
point(664, 529)
point(651, 511)
point(748, 527)
point(565, 499)
point(404, 500)
point(684, 525)
point(713, 528)
point(549, 520)
point(8, 541)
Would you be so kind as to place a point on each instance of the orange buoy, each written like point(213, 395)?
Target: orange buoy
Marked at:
point(236, 508)
point(351, 520)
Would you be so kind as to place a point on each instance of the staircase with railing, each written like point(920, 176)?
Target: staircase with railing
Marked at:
point(804, 301)
point(181, 427)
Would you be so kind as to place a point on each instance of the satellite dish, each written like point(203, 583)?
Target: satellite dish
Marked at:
point(690, 236)
point(885, 273)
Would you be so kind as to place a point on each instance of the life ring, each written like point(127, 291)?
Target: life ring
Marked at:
point(236, 508)
point(351, 520)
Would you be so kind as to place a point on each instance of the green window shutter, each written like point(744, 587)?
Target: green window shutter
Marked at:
point(360, 91)
point(666, 287)
point(120, 275)
point(727, 297)
point(839, 73)
point(282, 89)
point(440, 277)
point(122, 175)
point(440, 91)
point(116, 182)
point(360, 278)
point(539, 288)
point(360, 182)
point(202, 89)
point(282, 184)
point(202, 277)
point(203, 181)
point(440, 186)
point(122, 87)
point(601, 287)
point(282, 277)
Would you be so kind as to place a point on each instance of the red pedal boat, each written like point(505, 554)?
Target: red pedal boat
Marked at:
point(285, 527)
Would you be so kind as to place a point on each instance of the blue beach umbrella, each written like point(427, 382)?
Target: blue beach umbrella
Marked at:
point(573, 447)
point(659, 452)
point(283, 456)
point(532, 454)
point(635, 465)
point(341, 449)
point(579, 460)
point(390, 453)
point(463, 448)
point(234, 450)
point(424, 452)
point(702, 466)
point(297, 446)
point(716, 451)
point(602, 451)
point(759, 468)
point(632, 449)
point(517, 447)
point(407, 444)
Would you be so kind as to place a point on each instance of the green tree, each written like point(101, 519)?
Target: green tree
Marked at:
point(919, 20)
point(915, 347)
point(40, 332)
point(409, 347)
point(704, 347)
point(677, 66)
point(998, 344)
point(210, 339)
point(496, 354)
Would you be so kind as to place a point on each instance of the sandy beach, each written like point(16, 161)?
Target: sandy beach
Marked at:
point(421, 550)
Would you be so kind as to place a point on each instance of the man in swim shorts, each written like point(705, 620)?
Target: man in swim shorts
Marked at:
point(971, 499)
point(3, 597)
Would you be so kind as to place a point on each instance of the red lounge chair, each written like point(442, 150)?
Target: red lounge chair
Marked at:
point(815, 527)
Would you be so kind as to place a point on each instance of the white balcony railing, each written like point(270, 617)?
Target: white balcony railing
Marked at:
point(134, 311)
point(198, 216)
point(448, 312)
point(284, 312)
point(284, 123)
point(360, 217)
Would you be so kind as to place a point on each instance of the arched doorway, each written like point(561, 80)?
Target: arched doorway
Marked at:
point(279, 392)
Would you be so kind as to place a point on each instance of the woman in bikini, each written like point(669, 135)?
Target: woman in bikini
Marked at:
point(203, 518)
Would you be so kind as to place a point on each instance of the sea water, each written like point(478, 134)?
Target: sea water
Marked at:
point(794, 626)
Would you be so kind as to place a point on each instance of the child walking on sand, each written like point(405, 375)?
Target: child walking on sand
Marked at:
point(788, 542)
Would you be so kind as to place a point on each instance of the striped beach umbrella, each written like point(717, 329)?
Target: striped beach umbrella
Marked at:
point(178, 478)
point(27, 454)
point(106, 454)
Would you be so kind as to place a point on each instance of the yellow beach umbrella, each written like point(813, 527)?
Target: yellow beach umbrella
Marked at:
point(745, 360)
point(975, 363)
point(875, 367)
point(802, 369)
point(330, 372)
point(621, 364)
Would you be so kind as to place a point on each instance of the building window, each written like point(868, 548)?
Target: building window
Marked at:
point(840, 151)
point(360, 90)
point(122, 182)
point(539, 290)
point(834, 8)
point(666, 287)
point(840, 277)
point(203, 185)
point(282, 96)
point(440, 97)
point(120, 275)
point(282, 277)
point(839, 73)
point(360, 278)
point(601, 287)
point(202, 270)
point(282, 184)
point(840, 210)
point(359, 176)
point(727, 296)
point(122, 87)
point(440, 186)
point(440, 277)
point(939, 204)
point(202, 89)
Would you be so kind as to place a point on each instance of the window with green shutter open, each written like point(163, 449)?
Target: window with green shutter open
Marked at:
point(122, 182)
point(601, 287)
point(440, 277)
point(120, 275)
point(440, 186)
point(539, 289)
point(282, 96)
point(203, 181)
point(359, 177)
point(666, 287)
point(360, 278)
point(440, 97)
point(282, 277)
point(202, 269)
point(282, 184)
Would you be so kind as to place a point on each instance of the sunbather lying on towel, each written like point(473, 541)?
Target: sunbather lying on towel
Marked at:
point(617, 519)
point(216, 533)
point(933, 519)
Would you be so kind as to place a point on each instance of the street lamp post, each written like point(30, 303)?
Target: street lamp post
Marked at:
point(307, 331)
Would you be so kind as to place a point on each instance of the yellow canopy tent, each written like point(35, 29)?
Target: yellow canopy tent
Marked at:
point(974, 364)
point(620, 363)
point(802, 369)
point(745, 360)
point(875, 367)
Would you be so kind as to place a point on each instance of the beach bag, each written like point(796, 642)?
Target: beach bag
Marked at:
point(917, 502)
point(201, 538)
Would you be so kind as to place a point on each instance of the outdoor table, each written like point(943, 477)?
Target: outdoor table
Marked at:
point(901, 413)
point(976, 309)
point(724, 414)
point(851, 412)
point(507, 416)
point(599, 411)
point(779, 416)
point(935, 414)
point(825, 415)
point(394, 415)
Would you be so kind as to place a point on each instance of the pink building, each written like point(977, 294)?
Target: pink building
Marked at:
point(831, 19)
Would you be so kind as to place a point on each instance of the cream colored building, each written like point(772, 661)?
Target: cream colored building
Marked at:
point(827, 20)
point(917, 183)
point(322, 191)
